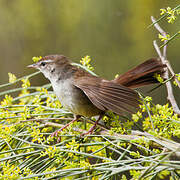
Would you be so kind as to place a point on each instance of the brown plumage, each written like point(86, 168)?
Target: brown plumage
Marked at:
point(86, 95)
point(142, 74)
point(107, 95)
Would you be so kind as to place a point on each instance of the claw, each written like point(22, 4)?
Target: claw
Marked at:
point(90, 131)
point(55, 133)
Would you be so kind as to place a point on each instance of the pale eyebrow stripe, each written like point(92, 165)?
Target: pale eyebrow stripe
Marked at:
point(48, 61)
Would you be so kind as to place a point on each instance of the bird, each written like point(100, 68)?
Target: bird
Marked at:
point(86, 95)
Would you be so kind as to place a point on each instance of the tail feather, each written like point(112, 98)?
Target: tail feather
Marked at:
point(142, 74)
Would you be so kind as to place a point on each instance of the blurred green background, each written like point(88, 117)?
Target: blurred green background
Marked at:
point(114, 33)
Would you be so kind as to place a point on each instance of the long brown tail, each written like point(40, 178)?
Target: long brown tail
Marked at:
point(142, 74)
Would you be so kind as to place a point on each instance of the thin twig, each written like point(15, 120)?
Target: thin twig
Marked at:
point(45, 119)
point(158, 142)
point(173, 74)
point(61, 125)
point(163, 57)
point(66, 119)
point(156, 25)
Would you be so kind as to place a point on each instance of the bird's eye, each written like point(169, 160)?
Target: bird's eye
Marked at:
point(43, 64)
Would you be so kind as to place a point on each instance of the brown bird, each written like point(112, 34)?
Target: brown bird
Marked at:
point(86, 95)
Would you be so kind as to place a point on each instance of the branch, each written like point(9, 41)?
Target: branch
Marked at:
point(173, 74)
point(163, 57)
point(162, 143)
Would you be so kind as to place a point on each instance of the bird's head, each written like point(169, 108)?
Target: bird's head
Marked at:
point(50, 65)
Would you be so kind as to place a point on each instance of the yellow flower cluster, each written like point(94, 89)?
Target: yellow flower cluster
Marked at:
point(171, 14)
point(85, 61)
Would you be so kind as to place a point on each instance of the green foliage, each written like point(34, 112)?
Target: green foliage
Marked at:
point(165, 37)
point(28, 150)
point(159, 78)
point(171, 15)
point(162, 121)
point(178, 78)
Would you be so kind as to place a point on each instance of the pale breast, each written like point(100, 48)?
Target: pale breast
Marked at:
point(74, 99)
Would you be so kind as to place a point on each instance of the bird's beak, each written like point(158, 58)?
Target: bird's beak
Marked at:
point(32, 66)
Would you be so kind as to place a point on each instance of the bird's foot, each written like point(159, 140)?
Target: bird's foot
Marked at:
point(90, 131)
point(55, 133)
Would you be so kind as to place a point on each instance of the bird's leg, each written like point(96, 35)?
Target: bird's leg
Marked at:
point(76, 117)
point(90, 131)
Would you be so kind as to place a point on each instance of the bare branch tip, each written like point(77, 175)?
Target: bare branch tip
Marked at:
point(153, 19)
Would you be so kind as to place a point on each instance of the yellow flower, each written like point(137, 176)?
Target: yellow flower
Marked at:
point(163, 38)
point(36, 59)
point(85, 61)
point(7, 101)
point(26, 83)
point(163, 11)
point(12, 77)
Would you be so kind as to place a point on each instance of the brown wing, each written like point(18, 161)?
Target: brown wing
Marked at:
point(107, 95)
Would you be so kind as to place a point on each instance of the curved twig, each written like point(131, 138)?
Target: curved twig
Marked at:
point(163, 57)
